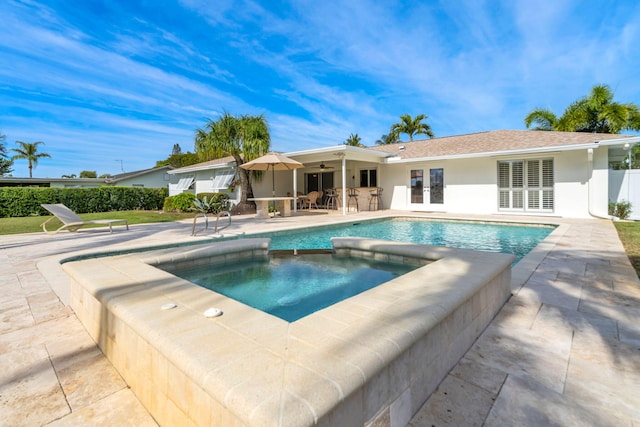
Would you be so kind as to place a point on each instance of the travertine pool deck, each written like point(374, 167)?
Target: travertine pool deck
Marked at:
point(564, 350)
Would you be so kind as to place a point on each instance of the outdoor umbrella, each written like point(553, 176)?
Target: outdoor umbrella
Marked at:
point(273, 162)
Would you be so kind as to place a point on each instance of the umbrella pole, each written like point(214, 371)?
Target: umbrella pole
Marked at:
point(273, 187)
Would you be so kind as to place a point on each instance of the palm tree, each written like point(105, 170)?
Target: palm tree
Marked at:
point(386, 139)
point(545, 119)
point(594, 113)
point(244, 138)
point(410, 126)
point(354, 140)
point(5, 164)
point(29, 151)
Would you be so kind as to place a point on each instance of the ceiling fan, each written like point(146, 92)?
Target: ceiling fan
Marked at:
point(323, 166)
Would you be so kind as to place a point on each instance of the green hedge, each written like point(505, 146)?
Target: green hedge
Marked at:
point(25, 201)
point(179, 203)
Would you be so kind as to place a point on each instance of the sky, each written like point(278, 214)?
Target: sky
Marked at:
point(111, 86)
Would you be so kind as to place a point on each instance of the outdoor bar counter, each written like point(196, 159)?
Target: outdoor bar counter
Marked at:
point(363, 198)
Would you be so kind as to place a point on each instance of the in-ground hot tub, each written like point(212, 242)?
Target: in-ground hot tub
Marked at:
point(372, 358)
point(292, 284)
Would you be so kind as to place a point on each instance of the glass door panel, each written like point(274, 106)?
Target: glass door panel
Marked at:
point(417, 186)
point(436, 186)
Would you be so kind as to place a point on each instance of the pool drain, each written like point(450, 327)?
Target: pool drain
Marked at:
point(288, 300)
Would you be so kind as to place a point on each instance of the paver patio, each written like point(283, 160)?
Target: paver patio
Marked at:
point(564, 350)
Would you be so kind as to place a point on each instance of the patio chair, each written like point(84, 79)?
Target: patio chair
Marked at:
point(311, 200)
point(72, 222)
point(353, 193)
point(332, 196)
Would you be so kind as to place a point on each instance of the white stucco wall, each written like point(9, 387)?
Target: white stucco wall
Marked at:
point(571, 187)
point(283, 184)
point(599, 184)
point(471, 184)
point(203, 183)
point(624, 186)
point(150, 180)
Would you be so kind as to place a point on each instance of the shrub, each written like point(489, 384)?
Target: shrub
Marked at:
point(179, 203)
point(621, 209)
point(25, 201)
point(212, 202)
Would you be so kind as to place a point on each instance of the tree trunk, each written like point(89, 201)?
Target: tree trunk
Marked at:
point(246, 192)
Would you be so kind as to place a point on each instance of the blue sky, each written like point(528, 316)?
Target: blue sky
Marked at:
point(104, 81)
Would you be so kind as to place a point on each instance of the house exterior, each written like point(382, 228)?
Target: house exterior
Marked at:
point(497, 172)
point(149, 178)
point(208, 177)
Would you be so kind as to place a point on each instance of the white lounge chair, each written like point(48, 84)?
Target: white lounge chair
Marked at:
point(72, 222)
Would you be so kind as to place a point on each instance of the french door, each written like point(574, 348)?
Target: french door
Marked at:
point(319, 182)
point(426, 189)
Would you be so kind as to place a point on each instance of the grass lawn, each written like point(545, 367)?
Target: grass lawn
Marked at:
point(31, 224)
point(629, 233)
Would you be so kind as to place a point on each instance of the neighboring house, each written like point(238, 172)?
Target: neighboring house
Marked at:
point(214, 176)
point(148, 178)
point(497, 172)
point(52, 182)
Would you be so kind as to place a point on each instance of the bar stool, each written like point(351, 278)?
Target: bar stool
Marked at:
point(352, 194)
point(375, 196)
point(331, 198)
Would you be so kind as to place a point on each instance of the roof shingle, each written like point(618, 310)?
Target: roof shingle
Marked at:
point(492, 141)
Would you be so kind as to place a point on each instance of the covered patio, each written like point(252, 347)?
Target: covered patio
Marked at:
point(340, 168)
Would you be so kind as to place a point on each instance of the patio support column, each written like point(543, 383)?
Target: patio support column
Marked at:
point(295, 190)
point(344, 185)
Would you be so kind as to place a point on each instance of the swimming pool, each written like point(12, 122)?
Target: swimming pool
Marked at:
point(517, 240)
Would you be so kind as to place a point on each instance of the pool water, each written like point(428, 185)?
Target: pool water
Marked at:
point(291, 287)
point(517, 240)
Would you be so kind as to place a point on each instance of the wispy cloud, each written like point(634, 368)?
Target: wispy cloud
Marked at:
point(137, 81)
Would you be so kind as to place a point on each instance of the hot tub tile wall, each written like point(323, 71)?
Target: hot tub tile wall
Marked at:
point(370, 360)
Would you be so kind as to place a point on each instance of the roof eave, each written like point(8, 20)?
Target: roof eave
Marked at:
point(188, 169)
point(524, 151)
point(340, 148)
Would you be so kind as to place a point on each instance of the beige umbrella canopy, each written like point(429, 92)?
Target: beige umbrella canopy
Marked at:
point(273, 162)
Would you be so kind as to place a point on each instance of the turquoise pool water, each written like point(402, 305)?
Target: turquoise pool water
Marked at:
point(291, 287)
point(517, 240)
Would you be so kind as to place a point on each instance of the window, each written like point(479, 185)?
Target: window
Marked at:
point(368, 178)
point(526, 185)
point(185, 183)
point(222, 179)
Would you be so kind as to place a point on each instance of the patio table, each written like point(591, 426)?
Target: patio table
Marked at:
point(262, 205)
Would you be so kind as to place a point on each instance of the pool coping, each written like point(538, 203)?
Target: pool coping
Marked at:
point(119, 301)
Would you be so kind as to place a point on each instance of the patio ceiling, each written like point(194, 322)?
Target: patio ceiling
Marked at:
point(333, 155)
